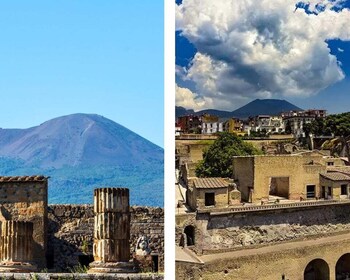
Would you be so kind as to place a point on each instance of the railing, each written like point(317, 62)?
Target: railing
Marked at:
point(196, 137)
point(254, 208)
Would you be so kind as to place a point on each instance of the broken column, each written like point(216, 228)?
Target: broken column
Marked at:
point(111, 246)
point(16, 247)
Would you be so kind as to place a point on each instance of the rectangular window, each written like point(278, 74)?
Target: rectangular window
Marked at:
point(310, 191)
point(344, 189)
point(330, 163)
point(209, 199)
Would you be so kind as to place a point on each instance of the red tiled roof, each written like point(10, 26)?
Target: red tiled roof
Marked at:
point(342, 169)
point(210, 183)
point(336, 176)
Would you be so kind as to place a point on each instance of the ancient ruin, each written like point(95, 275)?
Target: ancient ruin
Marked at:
point(142, 255)
point(112, 231)
point(16, 247)
point(61, 238)
point(24, 198)
point(290, 211)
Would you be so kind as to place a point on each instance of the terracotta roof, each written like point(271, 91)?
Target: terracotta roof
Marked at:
point(336, 176)
point(342, 169)
point(210, 183)
point(36, 178)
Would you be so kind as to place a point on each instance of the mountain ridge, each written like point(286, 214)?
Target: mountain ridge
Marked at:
point(81, 152)
point(76, 139)
point(253, 108)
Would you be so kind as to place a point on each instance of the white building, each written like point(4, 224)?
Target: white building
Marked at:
point(267, 124)
point(212, 127)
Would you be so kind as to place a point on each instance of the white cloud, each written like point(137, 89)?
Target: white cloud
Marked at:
point(260, 49)
point(340, 50)
point(190, 100)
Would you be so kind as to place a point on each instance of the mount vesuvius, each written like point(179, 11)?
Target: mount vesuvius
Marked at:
point(81, 152)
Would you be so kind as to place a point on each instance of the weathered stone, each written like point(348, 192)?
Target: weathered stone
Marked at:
point(76, 233)
point(24, 198)
point(111, 246)
point(16, 246)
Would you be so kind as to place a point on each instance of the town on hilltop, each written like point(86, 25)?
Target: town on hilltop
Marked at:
point(274, 205)
point(291, 122)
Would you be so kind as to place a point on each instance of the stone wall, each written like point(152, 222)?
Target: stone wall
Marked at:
point(77, 276)
point(335, 188)
point(220, 194)
point(257, 171)
point(243, 171)
point(272, 262)
point(181, 221)
point(220, 232)
point(24, 198)
point(71, 233)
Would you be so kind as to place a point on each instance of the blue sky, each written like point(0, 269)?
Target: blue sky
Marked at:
point(301, 55)
point(64, 57)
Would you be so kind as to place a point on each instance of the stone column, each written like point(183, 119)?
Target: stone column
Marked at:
point(111, 246)
point(16, 247)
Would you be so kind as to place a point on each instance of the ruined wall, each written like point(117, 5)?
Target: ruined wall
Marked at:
point(333, 161)
point(183, 220)
point(258, 171)
point(267, 167)
point(191, 197)
point(82, 276)
point(310, 176)
point(222, 232)
point(25, 199)
point(196, 151)
point(192, 150)
point(268, 263)
point(336, 187)
point(221, 197)
point(280, 186)
point(243, 171)
point(71, 233)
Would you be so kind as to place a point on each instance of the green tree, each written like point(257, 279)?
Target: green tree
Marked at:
point(337, 126)
point(217, 160)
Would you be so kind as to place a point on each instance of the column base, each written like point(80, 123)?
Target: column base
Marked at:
point(17, 267)
point(111, 267)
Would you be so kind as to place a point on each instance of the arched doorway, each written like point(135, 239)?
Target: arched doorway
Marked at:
point(317, 269)
point(190, 235)
point(342, 268)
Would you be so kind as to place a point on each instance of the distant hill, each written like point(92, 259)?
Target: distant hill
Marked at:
point(181, 111)
point(256, 107)
point(81, 152)
point(264, 107)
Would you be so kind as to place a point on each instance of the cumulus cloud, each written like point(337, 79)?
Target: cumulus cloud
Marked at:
point(261, 49)
point(190, 100)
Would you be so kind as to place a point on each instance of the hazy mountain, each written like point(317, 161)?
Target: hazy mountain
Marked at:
point(256, 107)
point(181, 111)
point(82, 151)
point(264, 107)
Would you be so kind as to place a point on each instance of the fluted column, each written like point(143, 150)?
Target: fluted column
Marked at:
point(111, 246)
point(16, 246)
